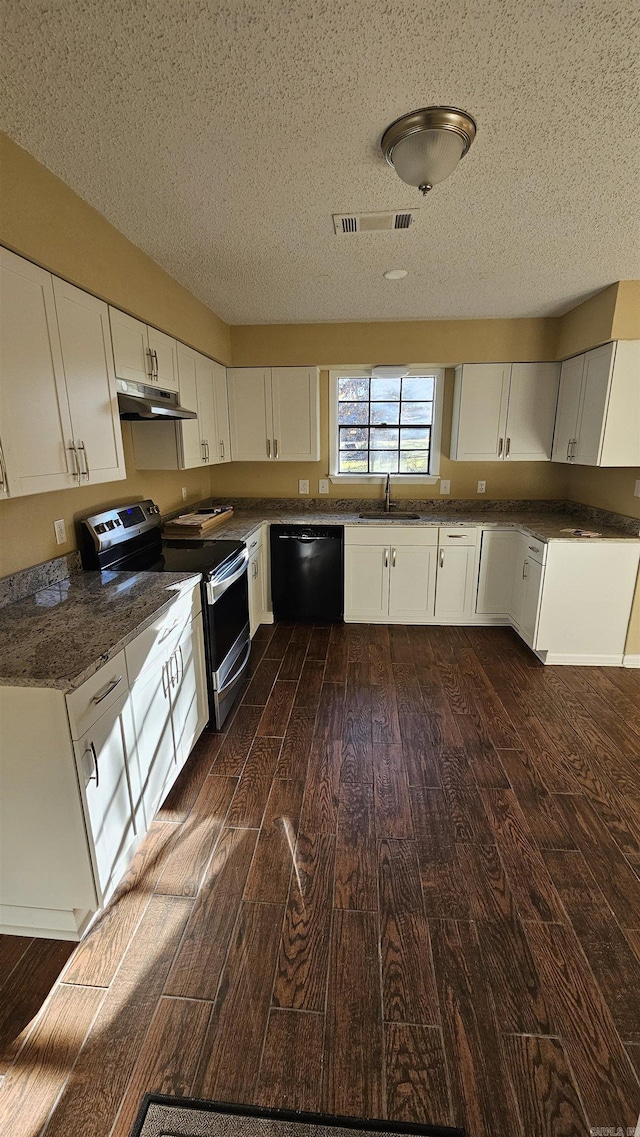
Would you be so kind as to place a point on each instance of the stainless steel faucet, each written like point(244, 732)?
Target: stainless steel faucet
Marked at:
point(387, 494)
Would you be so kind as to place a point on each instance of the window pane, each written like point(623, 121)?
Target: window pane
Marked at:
point(418, 387)
point(384, 438)
point(349, 413)
point(353, 462)
point(353, 388)
point(415, 438)
point(384, 461)
point(386, 414)
point(414, 463)
point(354, 438)
point(416, 412)
point(385, 389)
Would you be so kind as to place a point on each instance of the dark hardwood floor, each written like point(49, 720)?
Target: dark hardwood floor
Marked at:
point(404, 883)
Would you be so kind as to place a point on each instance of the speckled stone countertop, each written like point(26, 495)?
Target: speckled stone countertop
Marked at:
point(544, 526)
point(64, 633)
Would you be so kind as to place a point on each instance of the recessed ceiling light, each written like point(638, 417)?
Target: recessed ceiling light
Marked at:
point(395, 274)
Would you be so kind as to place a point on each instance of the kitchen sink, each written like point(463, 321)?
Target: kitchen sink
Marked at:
point(395, 516)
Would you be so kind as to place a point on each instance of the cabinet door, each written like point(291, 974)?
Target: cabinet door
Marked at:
point(480, 412)
point(593, 404)
point(101, 758)
point(35, 425)
point(206, 409)
point(412, 586)
point(366, 583)
point(455, 582)
point(566, 425)
point(130, 347)
point(165, 358)
point(87, 357)
point(222, 413)
point(533, 396)
point(495, 582)
point(530, 600)
point(190, 707)
point(193, 453)
point(151, 706)
point(296, 419)
point(250, 418)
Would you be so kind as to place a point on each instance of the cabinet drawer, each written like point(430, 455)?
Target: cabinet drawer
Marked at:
point(391, 534)
point(460, 536)
point(254, 540)
point(159, 637)
point(534, 550)
point(85, 705)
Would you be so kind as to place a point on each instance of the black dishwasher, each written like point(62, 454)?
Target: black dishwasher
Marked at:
point(307, 573)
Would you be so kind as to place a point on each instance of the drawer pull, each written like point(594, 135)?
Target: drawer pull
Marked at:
point(533, 549)
point(168, 631)
point(457, 536)
point(107, 691)
point(94, 757)
point(253, 544)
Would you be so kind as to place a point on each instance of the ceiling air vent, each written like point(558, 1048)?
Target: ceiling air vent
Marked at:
point(373, 222)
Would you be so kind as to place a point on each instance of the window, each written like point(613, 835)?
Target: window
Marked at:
point(386, 426)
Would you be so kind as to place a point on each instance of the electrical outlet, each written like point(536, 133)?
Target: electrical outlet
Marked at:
point(184, 493)
point(482, 487)
point(323, 485)
point(445, 485)
point(60, 531)
point(636, 492)
point(303, 485)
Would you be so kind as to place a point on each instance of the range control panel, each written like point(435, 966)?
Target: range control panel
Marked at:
point(120, 524)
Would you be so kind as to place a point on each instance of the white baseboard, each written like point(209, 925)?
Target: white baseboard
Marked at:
point(631, 661)
point(558, 660)
point(44, 923)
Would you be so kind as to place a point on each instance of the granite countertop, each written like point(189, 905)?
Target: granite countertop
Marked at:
point(64, 633)
point(543, 526)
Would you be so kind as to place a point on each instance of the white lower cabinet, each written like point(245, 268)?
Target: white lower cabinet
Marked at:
point(390, 574)
point(412, 583)
point(456, 578)
point(495, 579)
point(82, 775)
point(102, 762)
point(527, 587)
point(258, 579)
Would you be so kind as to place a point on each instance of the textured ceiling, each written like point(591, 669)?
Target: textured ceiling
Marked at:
point(220, 138)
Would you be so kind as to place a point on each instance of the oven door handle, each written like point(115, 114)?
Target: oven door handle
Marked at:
point(215, 591)
point(236, 672)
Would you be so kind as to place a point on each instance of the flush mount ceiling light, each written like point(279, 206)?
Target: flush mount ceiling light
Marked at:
point(395, 274)
point(389, 371)
point(425, 146)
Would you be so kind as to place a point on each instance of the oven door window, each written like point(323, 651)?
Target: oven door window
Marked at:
point(227, 617)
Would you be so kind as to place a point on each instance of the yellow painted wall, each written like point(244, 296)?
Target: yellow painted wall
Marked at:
point(438, 342)
point(626, 320)
point(588, 324)
point(504, 480)
point(41, 218)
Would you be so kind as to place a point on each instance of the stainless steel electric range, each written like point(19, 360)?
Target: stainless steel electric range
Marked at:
point(129, 538)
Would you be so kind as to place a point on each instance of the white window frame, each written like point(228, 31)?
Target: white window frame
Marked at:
point(429, 479)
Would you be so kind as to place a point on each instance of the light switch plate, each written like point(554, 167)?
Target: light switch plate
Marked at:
point(303, 485)
point(445, 485)
point(636, 492)
point(60, 531)
point(323, 485)
point(482, 487)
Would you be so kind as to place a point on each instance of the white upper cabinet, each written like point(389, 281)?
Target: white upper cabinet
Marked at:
point(274, 414)
point(221, 400)
point(504, 412)
point(90, 380)
point(143, 354)
point(598, 421)
point(35, 424)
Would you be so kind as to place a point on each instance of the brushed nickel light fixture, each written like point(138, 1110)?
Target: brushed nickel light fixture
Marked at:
point(425, 146)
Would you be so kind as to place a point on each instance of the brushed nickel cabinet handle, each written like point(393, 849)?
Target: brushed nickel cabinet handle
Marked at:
point(155, 357)
point(393, 558)
point(507, 448)
point(107, 690)
point(151, 372)
point(165, 670)
point(524, 570)
point(222, 449)
point(86, 473)
point(268, 448)
point(75, 473)
point(442, 558)
point(386, 558)
point(96, 769)
point(181, 662)
point(500, 446)
point(4, 484)
point(275, 447)
point(532, 549)
point(457, 536)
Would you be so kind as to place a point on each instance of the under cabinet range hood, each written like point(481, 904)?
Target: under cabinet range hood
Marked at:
point(139, 403)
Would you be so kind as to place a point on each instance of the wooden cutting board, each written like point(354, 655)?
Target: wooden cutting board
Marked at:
point(196, 524)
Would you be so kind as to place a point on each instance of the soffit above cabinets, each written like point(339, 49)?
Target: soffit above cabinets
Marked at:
point(222, 139)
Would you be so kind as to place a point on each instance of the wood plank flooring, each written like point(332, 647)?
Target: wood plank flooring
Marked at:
point(405, 882)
